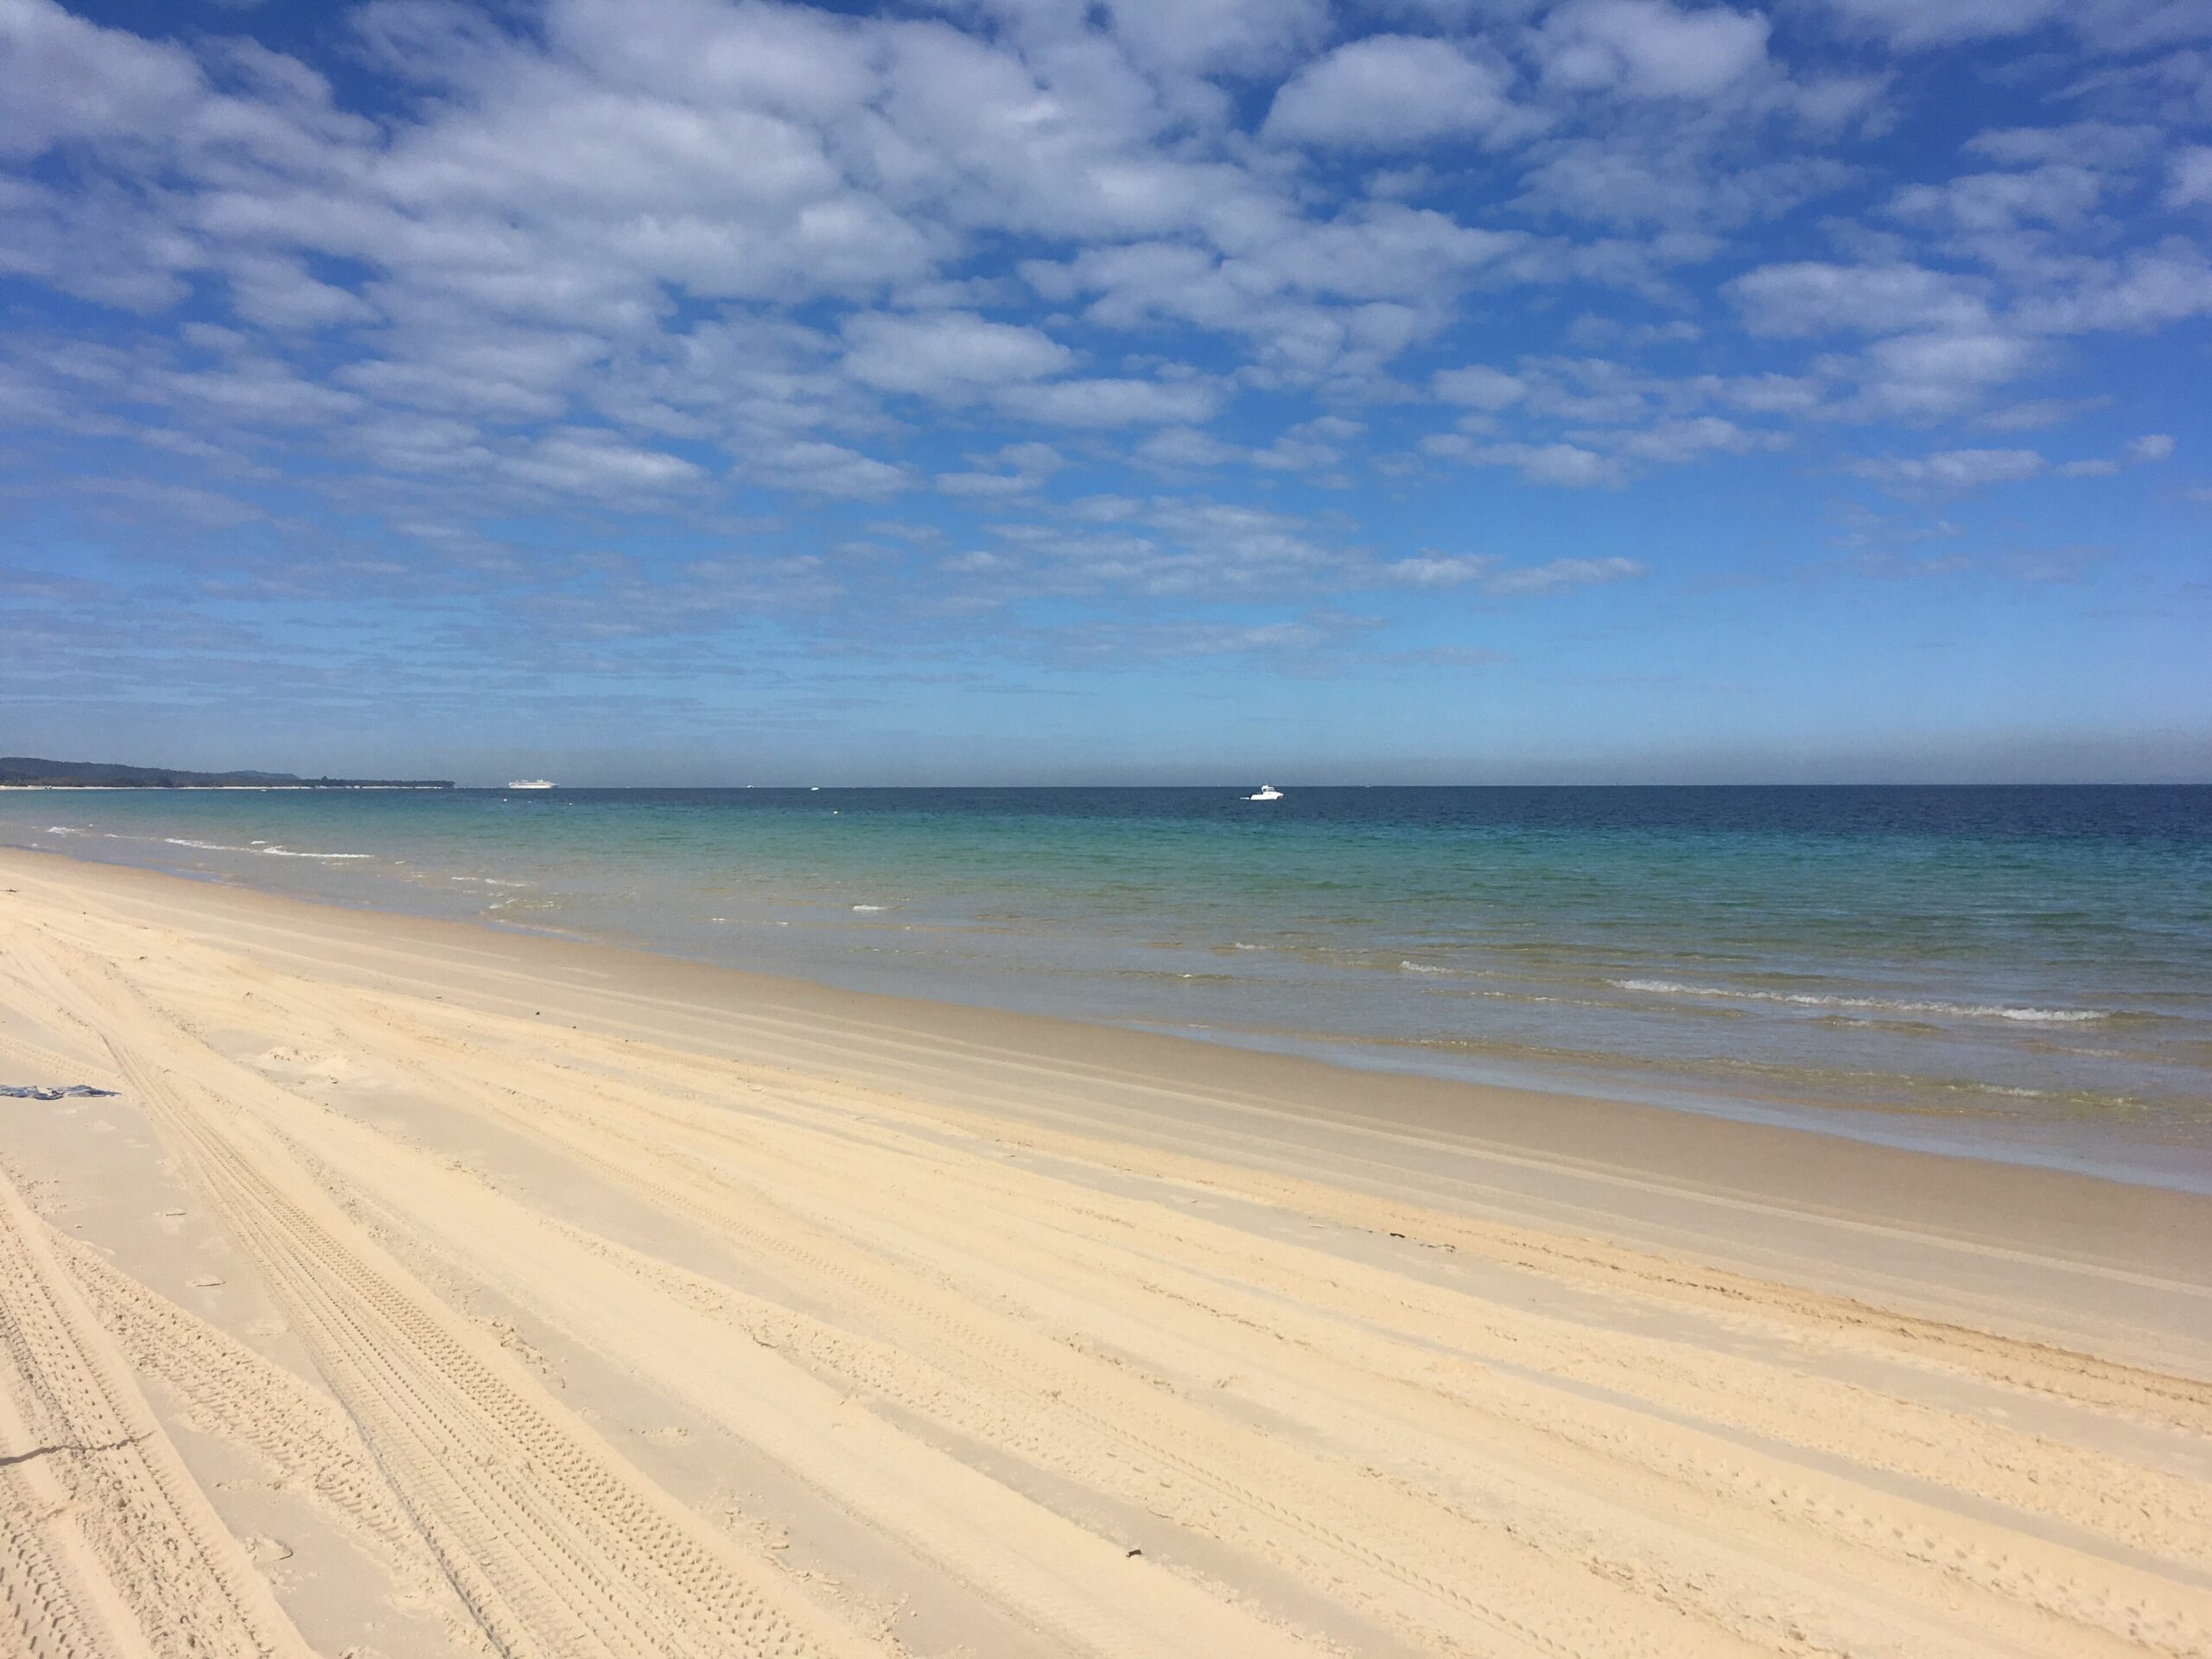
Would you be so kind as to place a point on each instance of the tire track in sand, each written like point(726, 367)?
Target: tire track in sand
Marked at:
point(734, 1182)
point(726, 1178)
point(1428, 1573)
point(1081, 1590)
point(299, 1432)
point(556, 1546)
point(108, 1548)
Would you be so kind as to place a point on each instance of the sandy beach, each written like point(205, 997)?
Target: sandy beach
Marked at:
point(422, 1289)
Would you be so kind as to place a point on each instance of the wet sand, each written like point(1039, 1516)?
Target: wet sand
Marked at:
point(426, 1289)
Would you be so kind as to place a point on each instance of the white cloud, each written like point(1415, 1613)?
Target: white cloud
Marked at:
point(1313, 299)
point(1648, 48)
point(1987, 204)
point(1763, 394)
point(1915, 24)
point(278, 293)
point(2038, 413)
point(1109, 402)
point(1951, 471)
point(2147, 451)
point(1242, 37)
point(1568, 466)
point(2189, 176)
point(2101, 144)
point(1493, 574)
point(1189, 637)
point(2148, 288)
point(1390, 91)
point(1564, 573)
point(1016, 469)
point(2108, 25)
point(1440, 570)
point(1810, 297)
point(1678, 442)
point(1308, 447)
point(1919, 377)
point(590, 462)
point(816, 467)
point(1186, 448)
point(952, 357)
point(68, 80)
point(1479, 386)
point(1174, 546)
point(1672, 179)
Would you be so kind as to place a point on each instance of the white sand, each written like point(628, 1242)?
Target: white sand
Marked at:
point(428, 1291)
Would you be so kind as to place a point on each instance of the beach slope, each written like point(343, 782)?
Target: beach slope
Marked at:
point(419, 1289)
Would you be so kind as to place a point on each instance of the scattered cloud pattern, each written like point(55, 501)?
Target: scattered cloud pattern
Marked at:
point(1075, 337)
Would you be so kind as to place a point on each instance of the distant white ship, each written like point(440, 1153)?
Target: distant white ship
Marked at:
point(529, 783)
point(1268, 792)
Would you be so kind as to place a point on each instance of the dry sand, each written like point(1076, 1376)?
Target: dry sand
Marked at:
point(424, 1290)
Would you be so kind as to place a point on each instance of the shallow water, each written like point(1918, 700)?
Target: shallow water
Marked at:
point(2022, 973)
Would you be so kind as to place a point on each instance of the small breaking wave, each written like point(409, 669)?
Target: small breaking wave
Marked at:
point(1407, 967)
point(258, 847)
point(1871, 1004)
point(870, 908)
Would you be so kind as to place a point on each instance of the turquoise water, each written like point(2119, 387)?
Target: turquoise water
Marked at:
point(2015, 973)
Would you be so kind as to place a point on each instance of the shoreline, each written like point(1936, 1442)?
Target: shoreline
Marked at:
point(2067, 1141)
point(1600, 1152)
point(417, 1288)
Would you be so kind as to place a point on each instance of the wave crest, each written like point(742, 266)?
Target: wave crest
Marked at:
point(1873, 1004)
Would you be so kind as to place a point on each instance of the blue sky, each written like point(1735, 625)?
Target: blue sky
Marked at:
point(645, 390)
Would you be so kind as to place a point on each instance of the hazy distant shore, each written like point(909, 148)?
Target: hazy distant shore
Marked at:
point(243, 789)
point(38, 771)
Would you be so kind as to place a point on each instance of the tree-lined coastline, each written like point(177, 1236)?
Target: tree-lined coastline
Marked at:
point(27, 771)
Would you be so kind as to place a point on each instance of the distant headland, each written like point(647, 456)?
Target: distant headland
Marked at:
point(24, 772)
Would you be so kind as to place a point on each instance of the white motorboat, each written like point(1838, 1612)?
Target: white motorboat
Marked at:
point(1268, 792)
point(531, 783)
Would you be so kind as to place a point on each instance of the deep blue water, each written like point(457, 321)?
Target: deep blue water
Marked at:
point(2021, 972)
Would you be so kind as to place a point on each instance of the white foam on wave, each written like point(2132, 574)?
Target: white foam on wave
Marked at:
point(204, 846)
point(871, 907)
point(286, 852)
point(61, 829)
point(1421, 968)
point(1873, 1004)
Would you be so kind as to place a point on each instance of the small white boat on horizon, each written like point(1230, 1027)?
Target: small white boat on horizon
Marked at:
point(531, 783)
point(1268, 792)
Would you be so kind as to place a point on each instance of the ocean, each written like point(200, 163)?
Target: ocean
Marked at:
point(2015, 973)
